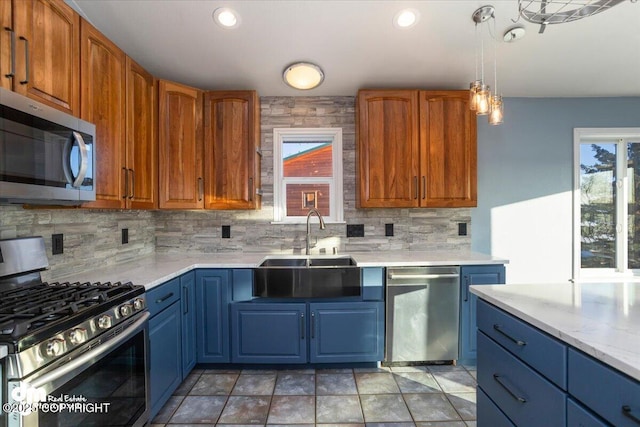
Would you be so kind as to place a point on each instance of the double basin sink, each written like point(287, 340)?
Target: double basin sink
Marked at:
point(307, 276)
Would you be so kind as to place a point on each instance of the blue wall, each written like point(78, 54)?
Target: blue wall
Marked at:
point(525, 180)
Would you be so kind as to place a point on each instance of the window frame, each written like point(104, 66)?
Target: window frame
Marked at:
point(336, 203)
point(621, 137)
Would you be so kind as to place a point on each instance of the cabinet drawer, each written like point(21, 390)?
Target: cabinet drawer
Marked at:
point(578, 416)
point(489, 415)
point(162, 296)
point(526, 397)
point(607, 392)
point(540, 351)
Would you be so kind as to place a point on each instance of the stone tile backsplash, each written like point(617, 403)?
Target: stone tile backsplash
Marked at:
point(92, 237)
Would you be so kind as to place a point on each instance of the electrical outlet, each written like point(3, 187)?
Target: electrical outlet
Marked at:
point(226, 231)
point(125, 236)
point(388, 230)
point(355, 230)
point(462, 229)
point(57, 244)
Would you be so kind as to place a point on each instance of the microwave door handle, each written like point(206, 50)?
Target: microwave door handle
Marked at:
point(66, 161)
point(84, 159)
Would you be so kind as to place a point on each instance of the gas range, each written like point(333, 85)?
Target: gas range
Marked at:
point(69, 339)
point(40, 323)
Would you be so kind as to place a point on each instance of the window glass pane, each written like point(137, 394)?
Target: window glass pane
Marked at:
point(307, 158)
point(598, 205)
point(302, 197)
point(633, 209)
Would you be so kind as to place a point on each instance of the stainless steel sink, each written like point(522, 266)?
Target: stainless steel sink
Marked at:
point(307, 277)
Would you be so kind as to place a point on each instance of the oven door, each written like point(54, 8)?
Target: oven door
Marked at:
point(105, 386)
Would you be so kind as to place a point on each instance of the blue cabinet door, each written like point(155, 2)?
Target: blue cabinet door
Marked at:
point(212, 316)
point(269, 332)
point(474, 275)
point(346, 332)
point(188, 307)
point(165, 356)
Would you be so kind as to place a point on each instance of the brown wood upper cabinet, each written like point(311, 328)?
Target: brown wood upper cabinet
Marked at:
point(40, 52)
point(416, 149)
point(104, 104)
point(141, 176)
point(232, 160)
point(180, 146)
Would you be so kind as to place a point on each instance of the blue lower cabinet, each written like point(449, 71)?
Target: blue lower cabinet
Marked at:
point(188, 309)
point(165, 356)
point(473, 275)
point(269, 332)
point(346, 332)
point(577, 415)
point(524, 396)
point(489, 415)
point(212, 315)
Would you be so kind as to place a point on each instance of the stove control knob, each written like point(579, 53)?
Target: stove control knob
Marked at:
point(138, 304)
point(125, 310)
point(78, 336)
point(105, 321)
point(54, 347)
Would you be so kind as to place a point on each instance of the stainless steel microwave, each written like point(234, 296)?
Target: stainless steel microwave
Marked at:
point(46, 156)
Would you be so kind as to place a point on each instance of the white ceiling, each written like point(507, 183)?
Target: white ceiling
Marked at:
point(357, 46)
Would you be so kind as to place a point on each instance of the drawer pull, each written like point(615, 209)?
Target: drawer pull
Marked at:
point(512, 339)
point(164, 298)
point(626, 410)
point(515, 396)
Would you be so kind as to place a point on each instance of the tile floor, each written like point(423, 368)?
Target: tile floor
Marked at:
point(440, 396)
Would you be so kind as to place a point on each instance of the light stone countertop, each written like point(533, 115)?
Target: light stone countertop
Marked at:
point(158, 268)
point(601, 319)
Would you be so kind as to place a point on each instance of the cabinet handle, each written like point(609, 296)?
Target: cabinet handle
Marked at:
point(515, 396)
point(132, 193)
point(628, 412)
point(26, 61)
point(415, 185)
point(12, 71)
point(424, 187)
point(164, 298)
point(509, 337)
point(200, 189)
point(251, 189)
point(302, 325)
point(126, 183)
point(186, 300)
point(466, 288)
point(313, 325)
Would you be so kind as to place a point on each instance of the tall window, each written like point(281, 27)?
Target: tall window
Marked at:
point(307, 173)
point(607, 200)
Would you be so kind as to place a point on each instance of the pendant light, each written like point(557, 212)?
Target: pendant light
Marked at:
point(481, 100)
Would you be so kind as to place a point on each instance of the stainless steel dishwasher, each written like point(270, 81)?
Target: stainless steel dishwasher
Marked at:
point(422, 309)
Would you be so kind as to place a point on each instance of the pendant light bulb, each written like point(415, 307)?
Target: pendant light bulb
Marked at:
point(474, 87)
point(483, 100)
point(496, 116)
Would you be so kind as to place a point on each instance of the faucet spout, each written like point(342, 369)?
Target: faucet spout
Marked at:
point(322, 226)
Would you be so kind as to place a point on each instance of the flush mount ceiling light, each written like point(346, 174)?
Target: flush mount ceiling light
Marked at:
point(406, 18)
point(303, 75)
point(226, 18)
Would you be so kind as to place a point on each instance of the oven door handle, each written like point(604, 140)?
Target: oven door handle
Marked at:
point(87, 359)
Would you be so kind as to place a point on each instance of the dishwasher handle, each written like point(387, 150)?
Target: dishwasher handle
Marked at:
point(395, 276)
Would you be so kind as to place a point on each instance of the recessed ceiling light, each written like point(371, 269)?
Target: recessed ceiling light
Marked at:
point(406, 18)
point(303, 75)
point(226, 18)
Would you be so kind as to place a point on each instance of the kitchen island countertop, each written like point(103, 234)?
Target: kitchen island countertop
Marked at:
point(600, 319)
point(155, 269)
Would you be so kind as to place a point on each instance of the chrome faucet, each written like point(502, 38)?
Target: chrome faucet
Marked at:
point(322, 226)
